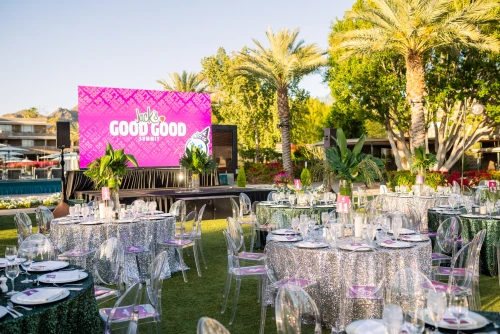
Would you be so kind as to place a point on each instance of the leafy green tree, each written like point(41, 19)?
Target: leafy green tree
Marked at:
point(31, 113)
point(285, 61)
point(411, 29)
point(241, 180)
point(184, 82)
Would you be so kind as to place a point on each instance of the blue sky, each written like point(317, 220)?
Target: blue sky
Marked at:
point(50, 47)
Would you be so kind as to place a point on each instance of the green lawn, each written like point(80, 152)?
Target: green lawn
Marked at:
point(184, 303)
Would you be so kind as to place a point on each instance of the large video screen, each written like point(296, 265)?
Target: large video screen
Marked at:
point(154, 126)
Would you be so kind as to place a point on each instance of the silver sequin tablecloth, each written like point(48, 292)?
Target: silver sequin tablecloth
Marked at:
point(142, 231)
point(329, 267)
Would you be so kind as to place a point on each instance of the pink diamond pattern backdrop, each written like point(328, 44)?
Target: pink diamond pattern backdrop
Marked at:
point(99, 106)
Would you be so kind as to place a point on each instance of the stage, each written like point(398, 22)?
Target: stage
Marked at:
point(216, 198)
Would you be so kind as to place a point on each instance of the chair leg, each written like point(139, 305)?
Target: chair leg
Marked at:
point(181, 259)
point(252, 240)
point(236, 297)
point(263, 307)
point(226, 293)
point(198, 241)
point(196, 260)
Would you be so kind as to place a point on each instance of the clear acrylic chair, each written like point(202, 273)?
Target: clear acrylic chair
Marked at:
point(408, 288)
point(445, 245)
point(24, 229)
point(235, 209)
point(197, 234)
point(362, 290)
point(210, 326)
point(277, 278)
point(270, 196)
point(279, 220)
point(108, 270)
point(43, 219)
point(39, 246)
point(123, 317)
point(178, 209)
point(246, 216)
point(236, 231)
point(413, 219)
point(83, 247)
point(234, 270)
point(187, 232)
point(257, 228)
point(294, 307)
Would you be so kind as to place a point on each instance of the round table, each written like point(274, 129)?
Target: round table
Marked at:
point(471, 225)
point(328, 266)
point(397, 201)
point(90, 237)
point(73, 314)
point(264, 211)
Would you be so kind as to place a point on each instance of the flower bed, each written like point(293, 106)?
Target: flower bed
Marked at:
point(29, 202)
point(258, 172)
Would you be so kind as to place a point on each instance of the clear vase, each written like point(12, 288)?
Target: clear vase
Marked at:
point(195, 181)
point(115, 198)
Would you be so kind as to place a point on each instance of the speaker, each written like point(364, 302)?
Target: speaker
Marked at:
point(63, 140)
point(328, 139)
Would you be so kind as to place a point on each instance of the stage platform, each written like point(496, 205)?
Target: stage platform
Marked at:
point(216, 198)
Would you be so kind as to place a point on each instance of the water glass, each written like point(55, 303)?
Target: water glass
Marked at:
point(152, 207)
point(295, 224)
point(415, 321)
point(397, 223)
point(78, 209)
point(325, 216)
point(392, 318)
point(10, 253)
point(72, 211)
point(303, 218)
point(12, 271)
point(29, 260)
point(436, 306)
point(459, 307)
point(304, 228)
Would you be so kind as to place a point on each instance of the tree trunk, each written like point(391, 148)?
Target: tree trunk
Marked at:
point(415, 88)
point(394, 146)
point(284, 114)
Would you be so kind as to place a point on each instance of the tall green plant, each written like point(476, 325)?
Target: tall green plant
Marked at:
point(197, 161)
point(421, 161)
point(110, 168)
point(353, 165)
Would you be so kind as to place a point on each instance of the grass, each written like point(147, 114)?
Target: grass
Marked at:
point(184, 303)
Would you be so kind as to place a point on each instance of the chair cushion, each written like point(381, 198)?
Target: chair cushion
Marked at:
point(248, 271)
point(196, 235)
point(136, 249)
point(177, 242)
point(447, 271)
point(439, 286)
point(439, 256)
point(101, 292)
point(363, 292)
point(294, 281)
point(251, 256)
point(145, 311)
point(76, 253)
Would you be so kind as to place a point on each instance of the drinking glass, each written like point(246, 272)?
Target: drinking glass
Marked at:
point(468, 201)
point(291, 199)
point(415, 321)
point(12, 271)
point(325, 216)
point(303, 218)
point(152, 207)
point(436, 306)
point(71, 211)
point(27, 263)
point(85, 212)
point(490, 207)
point(295, 224)
point(303, 228)
point(397, 223)
point(459, 307)
point(10, 253)
point(78, 209)
point(392, 318)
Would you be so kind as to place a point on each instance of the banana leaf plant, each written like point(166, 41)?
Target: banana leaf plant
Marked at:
point(421, 161)
point(197, 161)
point(109, 169)
point(352, 165)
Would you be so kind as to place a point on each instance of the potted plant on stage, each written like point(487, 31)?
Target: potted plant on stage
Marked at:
point(421, 162)
point(109, 170)
point(352, 165)
point(197, 161)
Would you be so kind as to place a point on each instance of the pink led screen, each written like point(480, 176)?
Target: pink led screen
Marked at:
point(154, 126)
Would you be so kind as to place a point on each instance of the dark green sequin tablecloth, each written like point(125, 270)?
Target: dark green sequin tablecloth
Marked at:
point(470, 227)
point(264, 212)
point(78, 313)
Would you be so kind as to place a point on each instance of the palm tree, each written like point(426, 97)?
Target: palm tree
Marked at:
point(74, 133)
point(285, 61)
point(412, 28)
point(185, 82)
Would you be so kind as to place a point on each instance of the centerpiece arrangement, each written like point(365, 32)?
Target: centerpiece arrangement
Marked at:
point(421, 162)
point(109, 170)
point(197, 161)
point(352, 165)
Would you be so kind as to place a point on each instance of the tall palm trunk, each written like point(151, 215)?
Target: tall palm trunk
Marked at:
point(415, 88)
point(284, 114)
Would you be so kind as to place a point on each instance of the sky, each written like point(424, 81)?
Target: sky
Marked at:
point(49, 48)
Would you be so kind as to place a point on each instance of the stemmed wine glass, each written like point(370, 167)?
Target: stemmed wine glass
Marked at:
point(397, 223)
point(392, 318)
point(415, 321)
point(28, 261)
point(78, 209)
point(152, 207)
point(295, 224)
point(12, 271)
point(303, 228)
point(459, 308)
point(325, 216)
point(11, 253)
point(72, 211)
point(436, 306)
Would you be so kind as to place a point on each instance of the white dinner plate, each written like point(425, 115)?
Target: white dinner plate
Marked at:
point(125, 220)
point(414, 237)
point(3, 261)
point(404, 231)
point(310, 244)
point(47, 266)
point(284, 231)
point(163, 215)
point(351, 328)
point(357, 246)
point(158, 211)
point(286, 238)
point(64, 276)
point(56, 295)
point(478, 321)
point(65, 222)
point(395, 244)
point(3, 311)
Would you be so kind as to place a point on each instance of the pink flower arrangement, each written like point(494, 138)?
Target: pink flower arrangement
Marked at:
point(282, 179)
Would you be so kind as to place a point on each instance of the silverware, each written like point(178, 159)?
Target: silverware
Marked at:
point(19, 314)
point(20, 306)
point(60, 286)
point(15, 316)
